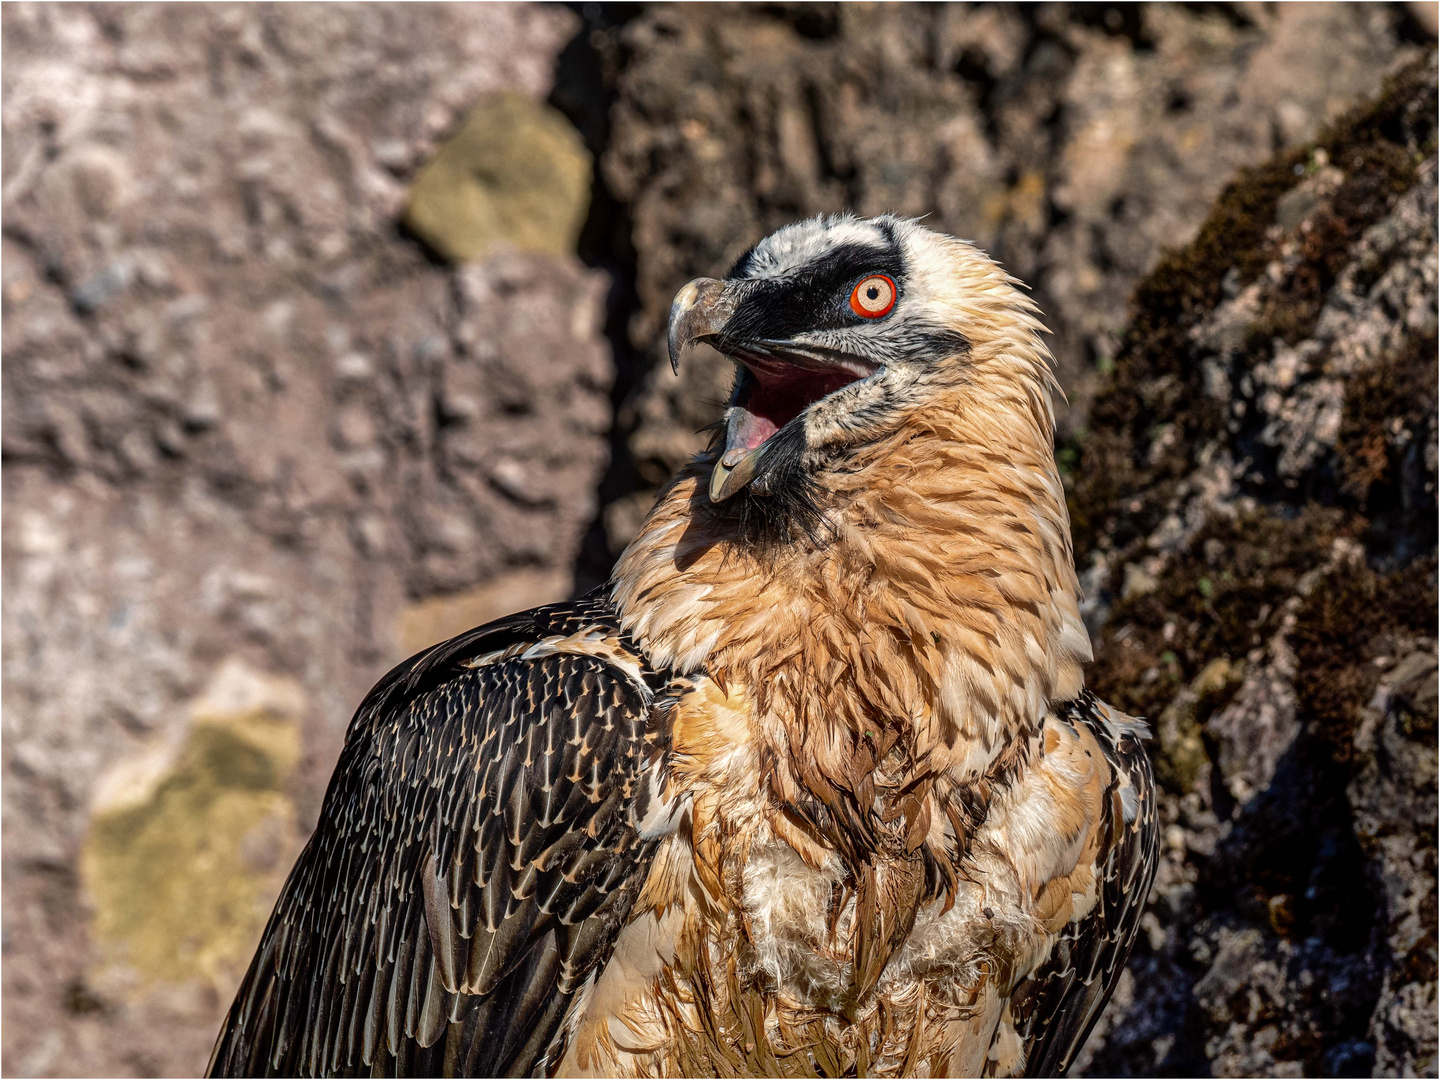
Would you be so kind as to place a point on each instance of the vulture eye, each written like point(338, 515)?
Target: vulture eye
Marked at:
point(873, 297)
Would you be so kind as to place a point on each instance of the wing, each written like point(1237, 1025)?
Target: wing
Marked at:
point(478, 851)
point(1056, 1007)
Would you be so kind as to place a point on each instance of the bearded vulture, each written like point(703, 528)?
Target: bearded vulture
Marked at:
point(813, 787)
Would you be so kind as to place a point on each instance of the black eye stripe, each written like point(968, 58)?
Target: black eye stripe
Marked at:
point(812, 297)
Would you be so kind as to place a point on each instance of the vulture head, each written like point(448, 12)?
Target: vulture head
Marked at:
point(844, 331)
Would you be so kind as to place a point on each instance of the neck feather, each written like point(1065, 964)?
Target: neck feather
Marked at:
point(938, 616)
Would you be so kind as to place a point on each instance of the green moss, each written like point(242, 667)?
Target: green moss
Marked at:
point(1289, 863)
point(1222, 595)
point(1217, 599)
point(1201, 619)
point(1181, 762)
point(1351, 616)
point(1156, 380)
point(1381, 403)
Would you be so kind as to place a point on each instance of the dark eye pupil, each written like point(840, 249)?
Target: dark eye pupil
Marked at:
point(873, 292)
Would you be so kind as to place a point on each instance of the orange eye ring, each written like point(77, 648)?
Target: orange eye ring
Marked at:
point(873, 297)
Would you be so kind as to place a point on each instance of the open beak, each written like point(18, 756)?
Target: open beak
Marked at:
point(700, 311)
point(778, 381)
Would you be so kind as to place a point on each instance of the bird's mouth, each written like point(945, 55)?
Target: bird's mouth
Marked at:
point(778, 380)
point(776, 384)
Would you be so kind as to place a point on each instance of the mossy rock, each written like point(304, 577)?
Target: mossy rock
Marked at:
point(1291, 593)
point(515, 173)
point(1182, 762)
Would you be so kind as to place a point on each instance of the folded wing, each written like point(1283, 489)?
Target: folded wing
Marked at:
point(1055, 1009)
point(477, 853)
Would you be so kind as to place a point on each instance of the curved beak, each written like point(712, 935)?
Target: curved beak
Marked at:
point(701, 310)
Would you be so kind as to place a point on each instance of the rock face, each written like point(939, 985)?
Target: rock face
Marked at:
point(1251, 460)
point(259, 445)
point(255, 443)
point(1255, 512)
point(1075, 143)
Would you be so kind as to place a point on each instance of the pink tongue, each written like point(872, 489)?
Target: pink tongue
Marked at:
point(747, 431)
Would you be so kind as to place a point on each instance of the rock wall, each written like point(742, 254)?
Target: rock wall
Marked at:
point(1255, 512)
point(258, 447)
point(1249, 449)
point(262, 440)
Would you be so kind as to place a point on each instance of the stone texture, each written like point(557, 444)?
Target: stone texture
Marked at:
point(442, 617)
point(258, 446)
point(248, 426)
point(1394, 800)
point(1264, 456)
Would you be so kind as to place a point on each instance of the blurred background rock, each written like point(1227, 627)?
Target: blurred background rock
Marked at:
point(332, 330)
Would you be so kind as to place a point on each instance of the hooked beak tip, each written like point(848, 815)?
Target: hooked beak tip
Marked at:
point(698, 311)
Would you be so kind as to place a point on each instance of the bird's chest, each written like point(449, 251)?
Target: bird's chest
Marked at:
point(768, 976)
point(776, 944)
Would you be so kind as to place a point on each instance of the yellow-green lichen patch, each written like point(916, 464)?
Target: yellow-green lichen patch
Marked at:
point(1183, 762)
point(515, 173)
point(184, 858)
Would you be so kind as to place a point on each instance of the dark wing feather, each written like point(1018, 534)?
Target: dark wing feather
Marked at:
point(476, 855)
point(1056, 1007)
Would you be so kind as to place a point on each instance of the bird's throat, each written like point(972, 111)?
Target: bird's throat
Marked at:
point(769, 395)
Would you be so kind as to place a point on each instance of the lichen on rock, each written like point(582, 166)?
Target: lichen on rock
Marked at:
point(245, 415)
point(515, 173)
point(188, 844)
